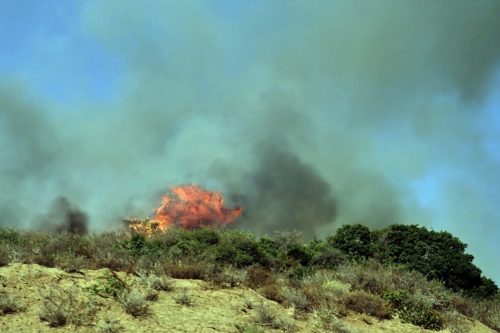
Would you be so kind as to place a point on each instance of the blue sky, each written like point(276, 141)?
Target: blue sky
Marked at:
point(395, 95)
point(44, 44)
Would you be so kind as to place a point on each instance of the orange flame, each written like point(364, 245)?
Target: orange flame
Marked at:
point(189, 207)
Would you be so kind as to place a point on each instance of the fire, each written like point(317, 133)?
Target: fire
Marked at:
point(189, 207)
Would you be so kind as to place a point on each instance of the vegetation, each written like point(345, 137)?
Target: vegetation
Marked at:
point(423, 276)
point(8, 304)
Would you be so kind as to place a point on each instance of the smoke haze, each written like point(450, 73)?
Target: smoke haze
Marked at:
point(311, 114)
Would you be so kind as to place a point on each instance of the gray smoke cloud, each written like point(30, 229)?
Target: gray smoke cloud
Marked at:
point(312, 114)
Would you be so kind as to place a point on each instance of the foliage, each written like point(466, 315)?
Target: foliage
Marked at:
point(354, 240)
point(61, 307)
point(133, 302)
point(413, 269)
point(110, 285)
point(414, 310)
point(438, 255)
point(370, 304)
point(8, 304)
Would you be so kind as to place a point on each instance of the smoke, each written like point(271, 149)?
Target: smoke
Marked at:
point(311, 114)
point(62, 217)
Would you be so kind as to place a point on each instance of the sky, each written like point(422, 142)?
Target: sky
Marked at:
point(309, 114)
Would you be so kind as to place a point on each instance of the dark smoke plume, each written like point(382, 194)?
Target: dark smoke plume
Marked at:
point(315, 113)
point(284, 193)
point(65, 218)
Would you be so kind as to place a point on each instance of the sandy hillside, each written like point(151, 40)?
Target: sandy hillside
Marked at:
point(86, 296)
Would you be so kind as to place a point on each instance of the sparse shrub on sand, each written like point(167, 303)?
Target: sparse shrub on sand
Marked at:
point(109, 285)
point(9, 304)
point(61, 307)
point(161, 283)
point(109, 325)
point(183, 298)
point(133, 302)
point(268, 317)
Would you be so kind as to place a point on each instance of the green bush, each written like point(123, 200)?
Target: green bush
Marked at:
point(354, 240)
point(239, 249)
point(438, 255)
point(412, 310)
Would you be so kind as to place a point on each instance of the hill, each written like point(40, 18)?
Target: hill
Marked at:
point(209, 280)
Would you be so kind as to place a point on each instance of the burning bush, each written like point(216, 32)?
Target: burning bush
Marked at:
point(189, 207)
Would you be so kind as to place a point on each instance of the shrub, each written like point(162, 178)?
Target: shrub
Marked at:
point(354, 240)
point(229, 277)
point(437, 255)
point(422, 315)
point(363, 302)
point(414, 310)
point(258, 276)
point(60, 307)
point(161, 283)
point(331, 323)
point(183, 298)
point(488, 312)
point(134, 303)
point(108, 325)
point(238, 249)
point(369, 276)
point(296, 298)
point(326, 256)
point(8, 304)
point(249, 329)
point(266, 316)
point(185, 271)
point(4, 255)
point(272, 292)
point(205, 236)
point(110, 285)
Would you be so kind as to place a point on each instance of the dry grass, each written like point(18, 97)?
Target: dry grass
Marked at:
point(258, 277)
point(363, 302)
point(186, 271)
point(488, 312)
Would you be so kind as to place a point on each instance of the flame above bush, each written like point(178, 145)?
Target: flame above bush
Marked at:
point(189, 207)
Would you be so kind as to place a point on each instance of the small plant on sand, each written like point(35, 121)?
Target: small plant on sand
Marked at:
point(8, 304)
point(134, 303)
point(268, 317)
point(108, 325)
point(183, 298)
point(110, 285)
point(242, 328)
point(328, 321)
point(60, 307)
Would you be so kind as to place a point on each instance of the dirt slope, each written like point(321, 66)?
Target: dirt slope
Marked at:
point(212, 309)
